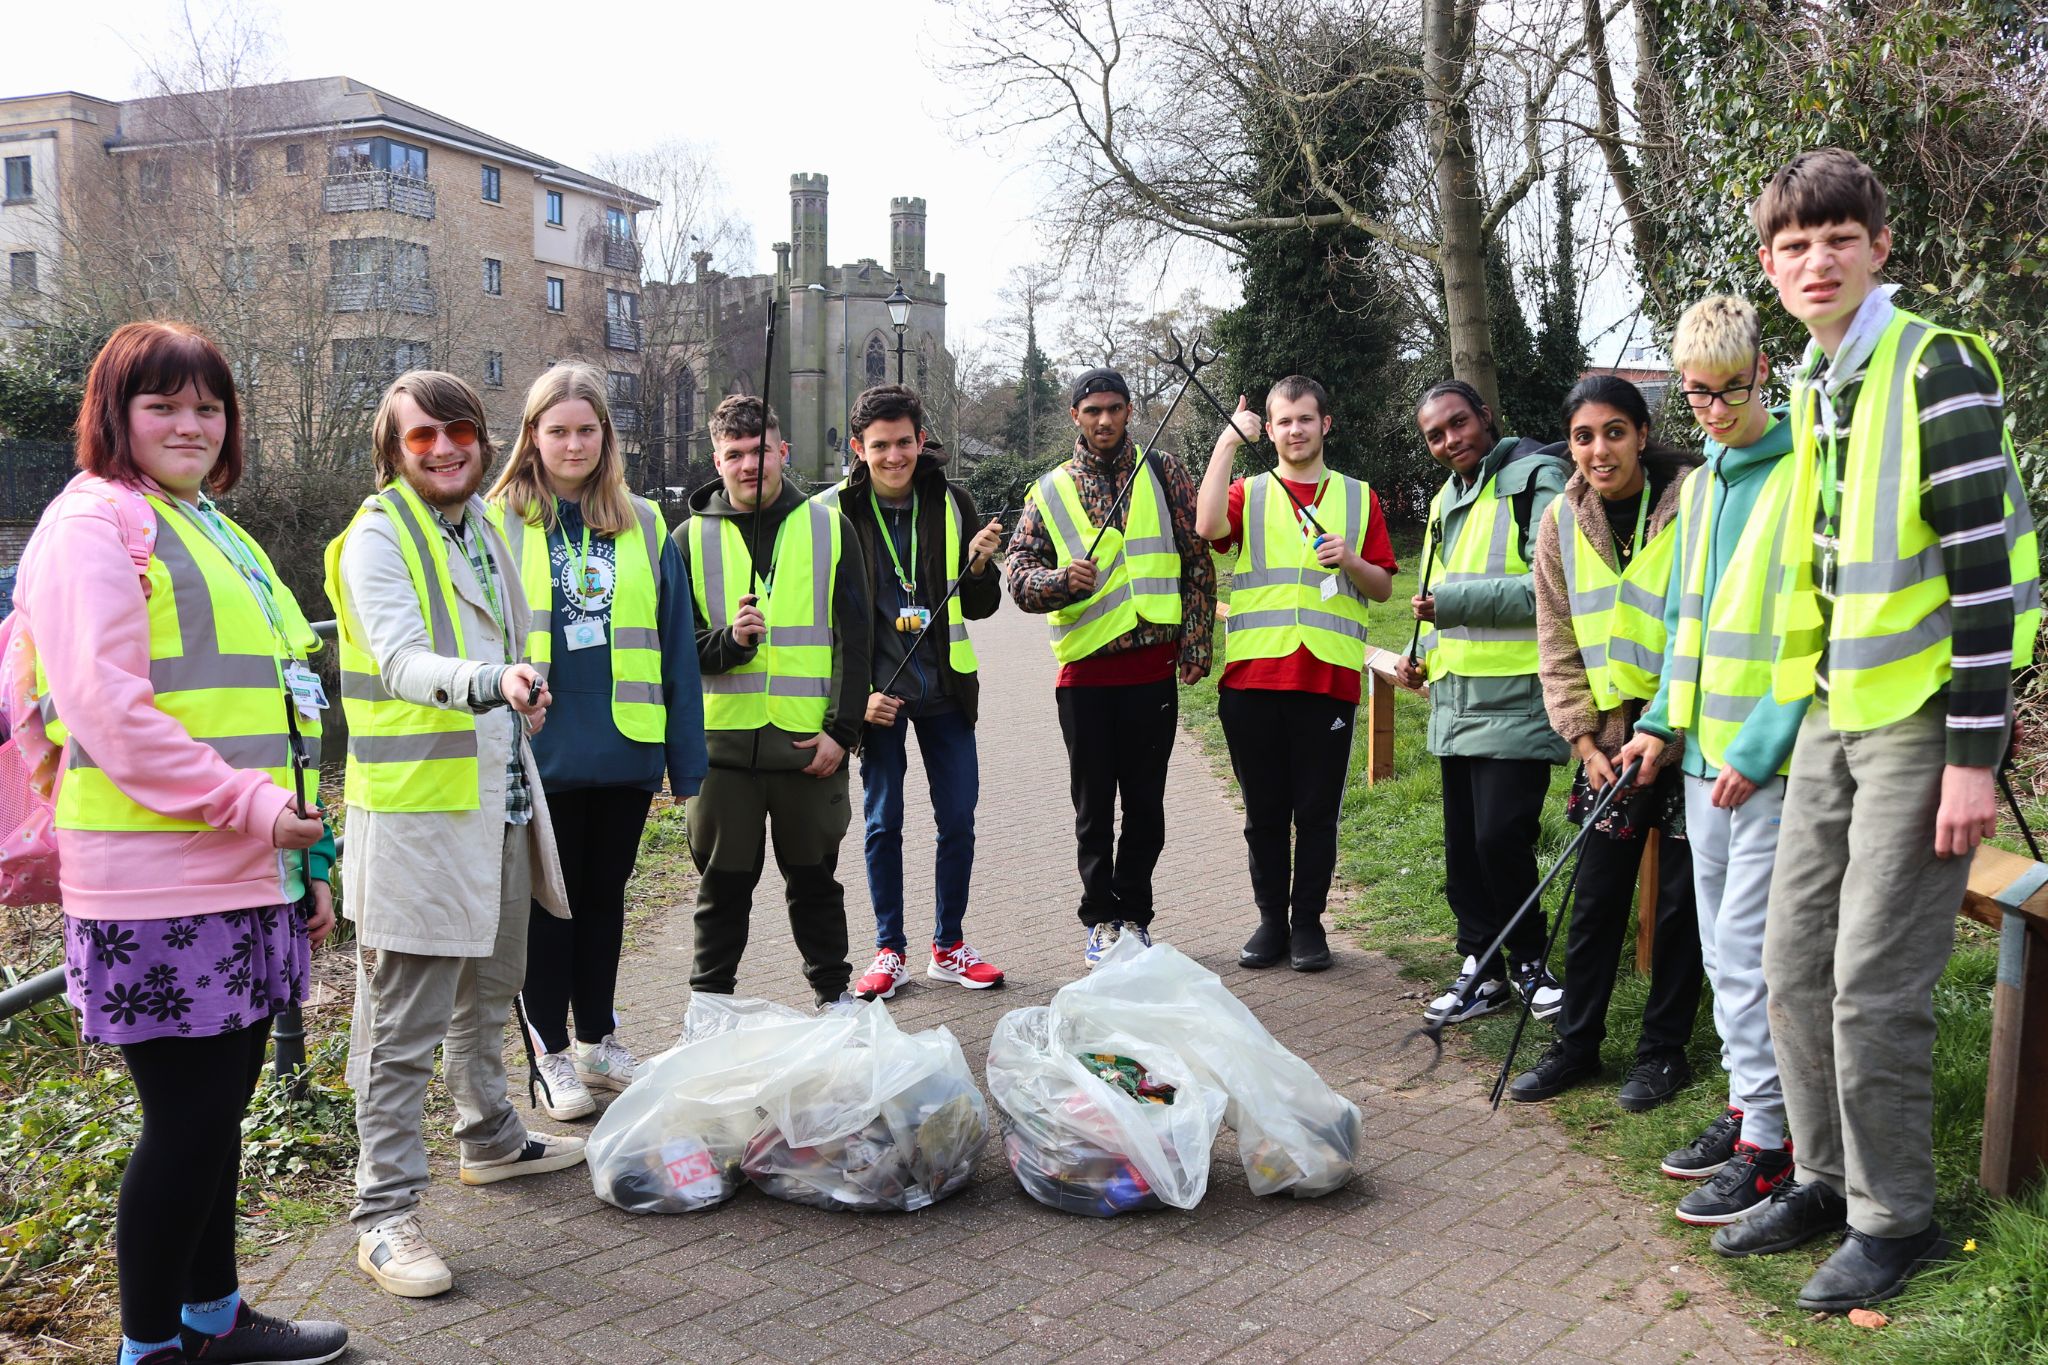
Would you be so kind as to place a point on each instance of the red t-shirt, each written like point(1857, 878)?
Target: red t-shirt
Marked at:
point(1302, 671)
point(1145, 664)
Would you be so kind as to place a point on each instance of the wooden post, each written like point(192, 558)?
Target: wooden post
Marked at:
point(2015, 1102)
point(1379, 697)
point(1646, 903)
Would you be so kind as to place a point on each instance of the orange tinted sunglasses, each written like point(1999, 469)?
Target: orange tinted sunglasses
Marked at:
point(420, 440)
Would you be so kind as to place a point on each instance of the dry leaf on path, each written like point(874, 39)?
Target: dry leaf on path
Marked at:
point(1867, 1317)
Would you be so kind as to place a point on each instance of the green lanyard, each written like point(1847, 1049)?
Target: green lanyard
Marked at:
point(582, 580)
point(486, 576)
point(211, 525)
point(889, 541)
point(1831, 461)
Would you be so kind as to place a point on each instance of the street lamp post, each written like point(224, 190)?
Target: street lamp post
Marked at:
point(899, 317)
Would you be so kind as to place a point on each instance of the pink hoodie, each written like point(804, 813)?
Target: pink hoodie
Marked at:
point(87, 612)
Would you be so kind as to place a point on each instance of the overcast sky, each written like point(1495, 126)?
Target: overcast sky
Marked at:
point(576, 81)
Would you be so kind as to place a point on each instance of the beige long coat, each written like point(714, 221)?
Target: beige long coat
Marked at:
point(429, 883)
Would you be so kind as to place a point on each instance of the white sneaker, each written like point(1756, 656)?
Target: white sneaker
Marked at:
point(1452, 1007)
point(542, 1152)
point(561, 1092)
point(397, 1256)
point(606, 1065)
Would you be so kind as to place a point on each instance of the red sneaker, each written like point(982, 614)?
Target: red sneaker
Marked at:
point(884, 977)
point(962, 966)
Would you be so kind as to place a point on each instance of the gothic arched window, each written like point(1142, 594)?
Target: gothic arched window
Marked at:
point(877, 361)
point(686, 412)
point(924, 365)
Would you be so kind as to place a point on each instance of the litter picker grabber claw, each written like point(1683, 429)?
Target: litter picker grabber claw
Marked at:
point(1434, 1032)
point(761, 459)
point(1216, 405)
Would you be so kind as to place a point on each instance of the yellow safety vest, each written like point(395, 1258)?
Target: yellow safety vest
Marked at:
point(404, 757)
point(1137, 568)
point(216, 666)
point(1888, 639)
point(1487, 548)
point(637, 706)
point(789, 680)
point(1277, 603)
point(959, 649)
point(1617, 618)
point(1721, 658)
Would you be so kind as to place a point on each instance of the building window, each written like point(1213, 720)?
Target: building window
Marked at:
point(686, 412)
point(238, 269)
point(924, 371)
point(378, 154)
point(21, 179)
point(556, 298)
point(236, 168)
point(364, 366)
point(618, 224)
point(378, 273)
point(494, 369)
point(877, 361)
point(21, 270)
point(294, 158)
point(295, 255)
point(492, 187)
point(153, 180)
point(494, 275)
point(554, 208)
point(622, 392)
point(621, 320)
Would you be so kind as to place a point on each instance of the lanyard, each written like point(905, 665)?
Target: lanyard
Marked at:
point(1831, 461)
point(486, 575)
point(582, 563)
point(211, 525)
point(1305, 513)
point(909, 583)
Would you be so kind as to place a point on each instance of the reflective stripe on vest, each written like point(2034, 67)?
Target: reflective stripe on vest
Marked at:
point(1487, 548)
point(789, 680)
point(215, 668)
point(404, 757)
point(1721, 657)
point(638, 709)
point(1617, 618)
point(1137, 569)
point(960, 649)
point(1888, 639)
point(1276, 587)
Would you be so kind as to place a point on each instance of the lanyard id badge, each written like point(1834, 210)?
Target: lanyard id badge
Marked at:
point(585, 634)
point(308, 695)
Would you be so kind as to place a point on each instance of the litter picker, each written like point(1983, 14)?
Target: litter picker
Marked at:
point(1187, 359)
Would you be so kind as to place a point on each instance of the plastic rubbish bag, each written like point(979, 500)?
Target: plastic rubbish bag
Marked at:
point(1167, 1012)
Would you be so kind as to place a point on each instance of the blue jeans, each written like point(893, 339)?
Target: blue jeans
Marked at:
point(947, 742)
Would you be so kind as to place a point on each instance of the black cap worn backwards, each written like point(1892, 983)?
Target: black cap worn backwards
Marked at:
point(1098, 381)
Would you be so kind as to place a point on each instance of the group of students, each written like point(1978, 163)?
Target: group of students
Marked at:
point(1802, 646)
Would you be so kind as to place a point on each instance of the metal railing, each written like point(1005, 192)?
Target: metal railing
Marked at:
point(369, 290)
point(355, 191)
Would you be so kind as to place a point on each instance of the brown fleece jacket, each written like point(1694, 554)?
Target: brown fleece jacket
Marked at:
point(1566, 696)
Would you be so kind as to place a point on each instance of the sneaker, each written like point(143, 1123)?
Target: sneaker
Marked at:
point(1268, 944)
point(542, 1152)
point(557, 1090)
point(1308, 948)
point(1652, 1081)
point(1866, 1269)
point(166, 1355)
point(397, 1255)
point(1535, 984)
point(606, 1065)
point(962, 966)
point(884, 977)
point(1740, 1188)
point(1555, 1072)
point(1100, 936)
point(1796, 1213)
point(1486, 997)
point(1708, 1152)
point(1140, 933)
point(259, 1339)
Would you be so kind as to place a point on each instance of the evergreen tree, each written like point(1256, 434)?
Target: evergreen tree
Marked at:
point(1560, 350)
point(1528, 404)
point(1038, 396)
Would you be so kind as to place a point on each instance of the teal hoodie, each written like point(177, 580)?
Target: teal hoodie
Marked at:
point(1761, 745)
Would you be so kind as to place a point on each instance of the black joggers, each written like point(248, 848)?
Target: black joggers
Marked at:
point(1118, 742)
point(1290, 751)
point(1493, 812)
point(575, 961)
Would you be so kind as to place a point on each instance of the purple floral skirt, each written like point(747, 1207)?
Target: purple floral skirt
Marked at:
point(135, 979)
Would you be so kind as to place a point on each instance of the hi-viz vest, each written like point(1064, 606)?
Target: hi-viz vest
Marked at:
point(404, 757)
point(1137, 569)
point(216, 666)
point(1617, 618)
point(1487, 547)
point(960, 649)
point(637, 707)
point(789, 680)
point(1277, 603)
point(1721, 658)
point(1888, 639)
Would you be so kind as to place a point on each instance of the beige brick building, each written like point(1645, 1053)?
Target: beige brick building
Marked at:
point(328, 235)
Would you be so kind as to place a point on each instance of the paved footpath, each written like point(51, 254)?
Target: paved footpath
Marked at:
point(1468, 1235)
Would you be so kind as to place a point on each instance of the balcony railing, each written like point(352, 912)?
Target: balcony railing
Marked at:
point(622, 334)
point(626, 417)
point(356, 191)
point(621, 253)
point(370, 292)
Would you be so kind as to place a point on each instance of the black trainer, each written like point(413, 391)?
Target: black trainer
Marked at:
point(1468, 997)
point(1308, 949)
point(1739, 1189)
point(259, 1339)
point(1708, 1152)
point(1555, 1072)
point(1866, 1269)
point(1652, 1081)
point(1796, 1213)
point(1268, 943)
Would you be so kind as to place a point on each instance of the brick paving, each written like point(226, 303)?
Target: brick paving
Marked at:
point(1467, 1234)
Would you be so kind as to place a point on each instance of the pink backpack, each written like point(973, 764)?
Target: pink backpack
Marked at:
point(29, 761)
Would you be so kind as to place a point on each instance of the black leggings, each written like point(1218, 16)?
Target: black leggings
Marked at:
point(576, 961)
point(174, 1233)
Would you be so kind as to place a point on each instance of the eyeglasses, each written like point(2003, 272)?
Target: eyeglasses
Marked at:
point(420, 440)
point(1735, 395)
